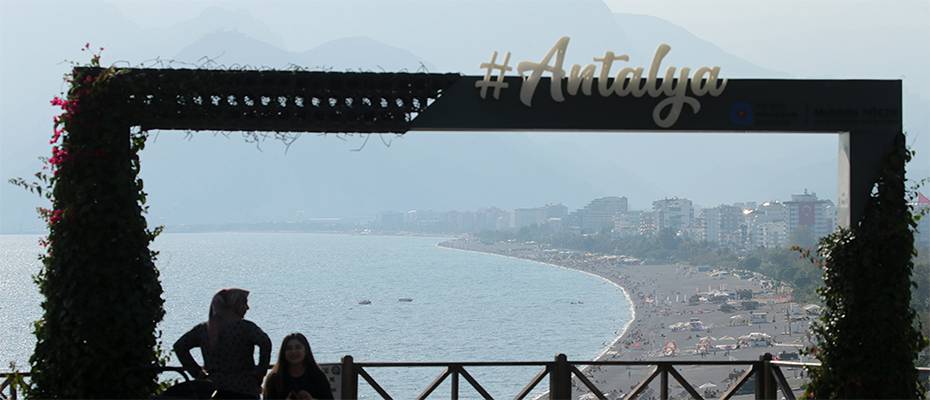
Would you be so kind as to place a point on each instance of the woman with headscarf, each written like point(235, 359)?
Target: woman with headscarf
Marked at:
point(227, 341)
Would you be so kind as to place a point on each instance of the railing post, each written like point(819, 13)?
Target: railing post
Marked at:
point(663, 382)
point(560, 379)
point(349, 379)
point(455, 382)
point(765, 382)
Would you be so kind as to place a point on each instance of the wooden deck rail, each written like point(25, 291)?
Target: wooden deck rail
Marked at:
point(561, 372)
point(767, 374)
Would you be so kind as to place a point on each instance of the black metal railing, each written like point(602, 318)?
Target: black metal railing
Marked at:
point(766, 375)
point(561, 372)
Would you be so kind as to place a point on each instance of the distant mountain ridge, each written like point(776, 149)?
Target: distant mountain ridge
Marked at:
point(238, 50)
point(687, 48)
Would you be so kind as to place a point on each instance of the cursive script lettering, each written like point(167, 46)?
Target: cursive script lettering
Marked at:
point(628, 81)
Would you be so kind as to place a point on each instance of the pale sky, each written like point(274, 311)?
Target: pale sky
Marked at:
point(862, 37)
point(798, 39)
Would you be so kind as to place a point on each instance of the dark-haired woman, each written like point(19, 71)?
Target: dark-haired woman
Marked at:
point(227, 342)
point(296, 374)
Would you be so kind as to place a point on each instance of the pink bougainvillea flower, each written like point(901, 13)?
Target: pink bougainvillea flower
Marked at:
point(70, 106)
point(59, 155)
point(56, 135)
point(56, 217)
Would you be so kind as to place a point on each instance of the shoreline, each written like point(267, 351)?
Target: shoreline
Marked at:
point(662, 300)
point(603, 353)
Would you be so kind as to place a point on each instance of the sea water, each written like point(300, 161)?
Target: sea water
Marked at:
point(466, 306)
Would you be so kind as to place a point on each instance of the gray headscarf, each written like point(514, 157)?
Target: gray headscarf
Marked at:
point(225, 308)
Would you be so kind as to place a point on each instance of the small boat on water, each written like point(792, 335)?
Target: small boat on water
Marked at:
point(405, 300)
point(365, 302)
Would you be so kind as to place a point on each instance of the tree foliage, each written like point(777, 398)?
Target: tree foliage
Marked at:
point(867, 337)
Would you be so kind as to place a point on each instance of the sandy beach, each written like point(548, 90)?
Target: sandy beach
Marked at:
point(682, 312)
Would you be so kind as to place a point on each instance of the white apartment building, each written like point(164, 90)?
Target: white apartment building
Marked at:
point(599, 214)
point(768, 225)
point(539, 215)
point(724, 225)
point(674, 214)
point(628, 223)
point(523, 217)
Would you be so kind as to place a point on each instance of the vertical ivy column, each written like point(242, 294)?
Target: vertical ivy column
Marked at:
point(97, 336)
point(867, 338)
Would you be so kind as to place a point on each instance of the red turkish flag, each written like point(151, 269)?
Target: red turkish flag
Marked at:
point(921, 199)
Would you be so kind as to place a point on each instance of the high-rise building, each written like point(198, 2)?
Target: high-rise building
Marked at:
point(724, 225)
point(628, 224)
point(539, 215)
point(529, 216)
point(809, 218)
point(673, 214)
point(556, 210)
point(491, 219)
point(599, 214)
point(768, 225)
point(647, 223)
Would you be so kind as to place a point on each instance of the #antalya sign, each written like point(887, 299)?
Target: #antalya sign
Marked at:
point(627, 82)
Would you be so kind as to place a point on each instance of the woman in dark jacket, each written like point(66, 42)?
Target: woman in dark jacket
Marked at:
point(227, 341)
point(296, 375)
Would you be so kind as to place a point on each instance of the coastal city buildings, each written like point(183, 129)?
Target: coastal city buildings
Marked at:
point(647, 223)
point(628, 223)
point(809, 218)
point(428, 221)
point(673, 214)
point(768, 225)
point(738, 226)
point(725, 225)
point(550, 213)
point(600, 213)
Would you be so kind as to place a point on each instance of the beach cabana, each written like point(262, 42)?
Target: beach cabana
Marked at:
point(756, 339)
point(739, 319)
point(812, 309)
point(679, 326)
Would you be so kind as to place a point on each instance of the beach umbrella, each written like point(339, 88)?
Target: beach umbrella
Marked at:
point(706, 386)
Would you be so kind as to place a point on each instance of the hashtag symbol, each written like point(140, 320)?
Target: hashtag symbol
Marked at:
point(498, 82)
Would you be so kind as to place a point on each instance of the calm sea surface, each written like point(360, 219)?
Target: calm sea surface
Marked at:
point(466, 306)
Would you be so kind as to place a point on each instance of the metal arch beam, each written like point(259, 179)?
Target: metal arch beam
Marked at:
point(867, 114)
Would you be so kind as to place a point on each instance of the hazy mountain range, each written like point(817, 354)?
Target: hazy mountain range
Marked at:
point(209, 178)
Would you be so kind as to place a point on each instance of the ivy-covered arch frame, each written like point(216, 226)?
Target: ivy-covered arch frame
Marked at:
point(98, 256)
